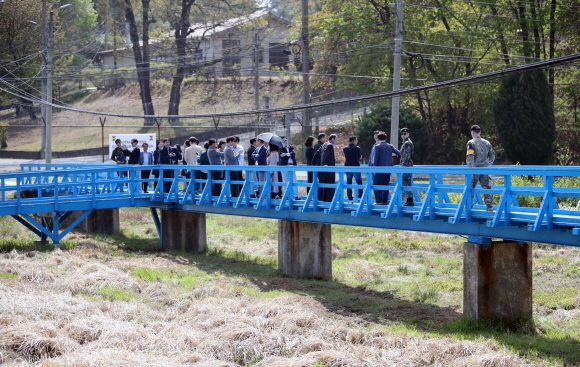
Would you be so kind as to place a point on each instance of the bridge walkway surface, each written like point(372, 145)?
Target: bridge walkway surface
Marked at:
point(442, 206)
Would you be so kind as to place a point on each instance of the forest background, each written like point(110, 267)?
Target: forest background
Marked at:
point(352, 46)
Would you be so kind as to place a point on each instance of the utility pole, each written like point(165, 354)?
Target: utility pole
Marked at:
point(256, 78)
point(397, 75)
point(306, 126)
point(43, 88)
point(49, 66)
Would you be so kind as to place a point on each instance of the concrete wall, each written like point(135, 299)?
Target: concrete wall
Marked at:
point(305, 249)
point(497, 281)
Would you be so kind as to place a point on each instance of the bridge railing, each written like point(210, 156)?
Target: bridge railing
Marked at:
point(535, 197)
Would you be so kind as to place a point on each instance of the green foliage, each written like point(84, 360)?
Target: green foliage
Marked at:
point(524, 115)
point(116, 293)
point(6, 275)
point(380, 119)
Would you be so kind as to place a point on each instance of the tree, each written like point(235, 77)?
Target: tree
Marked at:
point(524, 116)
point(380, 119)
point(19, 39)
point(142, 58)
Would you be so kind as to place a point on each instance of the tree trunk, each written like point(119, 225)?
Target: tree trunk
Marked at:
point(521, 14)
point(141, 61)
point(181, 32)
point(504, 50)
point(552, 48)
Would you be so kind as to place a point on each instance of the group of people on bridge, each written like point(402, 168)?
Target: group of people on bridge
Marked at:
point(230, 152)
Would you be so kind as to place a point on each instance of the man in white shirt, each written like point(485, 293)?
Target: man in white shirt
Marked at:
point(239, 149)
point(145, 159)
point(190, 156)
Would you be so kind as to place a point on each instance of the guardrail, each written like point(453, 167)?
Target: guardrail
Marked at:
point(443, 201)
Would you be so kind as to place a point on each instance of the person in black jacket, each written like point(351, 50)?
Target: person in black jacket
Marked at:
point(309, 154)
point(156, 160)
point(252, 162)
point(316, 158)
point(120, 153)
point(352, 159)
point(328, 160)
point(287, 158)
point(135, 153)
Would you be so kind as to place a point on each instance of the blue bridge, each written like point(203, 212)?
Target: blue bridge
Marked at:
point(444, 201)
point(531, 204)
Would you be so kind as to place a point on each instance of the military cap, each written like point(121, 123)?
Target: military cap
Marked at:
point(475, 128)
point(404, 130)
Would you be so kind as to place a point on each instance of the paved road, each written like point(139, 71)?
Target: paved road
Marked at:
point(14, 164)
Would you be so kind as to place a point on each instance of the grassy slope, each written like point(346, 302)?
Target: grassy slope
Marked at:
point(198, 96)
point(396, 296)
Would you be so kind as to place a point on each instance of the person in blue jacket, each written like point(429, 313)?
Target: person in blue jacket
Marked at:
point(383, 157)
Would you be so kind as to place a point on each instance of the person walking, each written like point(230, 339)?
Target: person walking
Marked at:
point(145, 159)
point(260, 155)
point(328, 160)
point(168, 155)
point(383, 157)
point(480, 154)
point(231, 159)
point(190, 156)
point(287, 158)
point(215, 158)
point(203, 161)
point(316, 159)
point(135, 152)
point(407, 149)
point(252, 162)
point(309, 154)
point(120, 153)
point(352, 157)
point(274, 160)
point(156, 161)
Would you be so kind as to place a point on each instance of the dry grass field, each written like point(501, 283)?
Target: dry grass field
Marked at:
point(395, 300)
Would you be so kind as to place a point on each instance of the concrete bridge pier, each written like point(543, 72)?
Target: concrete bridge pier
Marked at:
point(183, 231)
point(305, 249)
point(103, 221)
point(497, 281)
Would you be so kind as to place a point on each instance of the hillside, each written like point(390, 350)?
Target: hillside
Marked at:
point(73, 130)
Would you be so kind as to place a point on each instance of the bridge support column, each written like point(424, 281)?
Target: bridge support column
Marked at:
point(104, 221)
point(183, 231)
point(497, 281)
point(305, 249)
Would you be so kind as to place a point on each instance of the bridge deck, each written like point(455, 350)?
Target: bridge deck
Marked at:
point(443, 202)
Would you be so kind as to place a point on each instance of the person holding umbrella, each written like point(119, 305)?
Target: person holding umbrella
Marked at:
point(259, 157)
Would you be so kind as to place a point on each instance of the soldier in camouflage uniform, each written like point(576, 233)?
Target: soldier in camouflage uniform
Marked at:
point(407, 150)
point(480, 154)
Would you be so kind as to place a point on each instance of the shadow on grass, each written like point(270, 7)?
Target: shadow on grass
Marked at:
point(384, 308)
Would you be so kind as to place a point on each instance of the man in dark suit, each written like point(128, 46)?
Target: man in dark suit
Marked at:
point(259, 156)
point(316, 160)
point(252, 162)
point(383, 158)
point(145, 159)
point(135, 153)
point(352, 159)
point(287, 158)
point(328, 160)
point(168, 155)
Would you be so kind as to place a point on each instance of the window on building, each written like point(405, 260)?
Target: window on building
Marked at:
point(277, 58)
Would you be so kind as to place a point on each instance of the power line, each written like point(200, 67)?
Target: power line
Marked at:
point(437, 85)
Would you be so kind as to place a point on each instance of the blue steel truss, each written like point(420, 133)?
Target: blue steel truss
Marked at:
point(444, 203)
